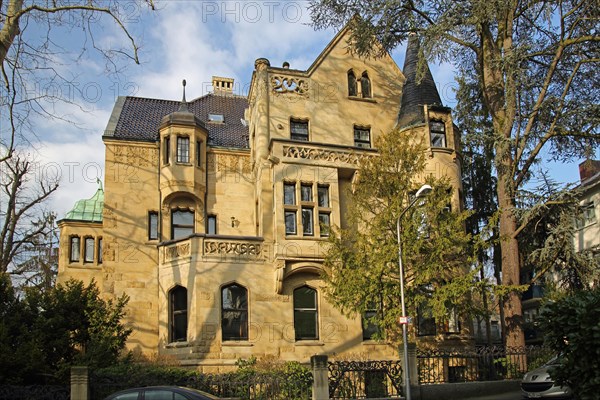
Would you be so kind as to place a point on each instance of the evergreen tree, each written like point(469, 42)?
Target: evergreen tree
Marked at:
point(535, 65)
point(362, 262)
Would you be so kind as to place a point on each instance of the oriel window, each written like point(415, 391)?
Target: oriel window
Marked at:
point(183, 149)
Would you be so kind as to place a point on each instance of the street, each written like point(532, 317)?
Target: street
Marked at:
point(516, 395)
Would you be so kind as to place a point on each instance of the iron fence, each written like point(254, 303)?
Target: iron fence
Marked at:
point(365, 379)
point(489, 363)
point(254, 386)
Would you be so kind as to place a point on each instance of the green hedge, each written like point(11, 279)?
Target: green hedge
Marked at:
point(252, 380)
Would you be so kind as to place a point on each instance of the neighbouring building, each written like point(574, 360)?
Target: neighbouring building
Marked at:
point(587, 238)
point(215, 211)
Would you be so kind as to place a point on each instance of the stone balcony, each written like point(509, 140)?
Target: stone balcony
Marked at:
point(213, 248)
point(319, 154)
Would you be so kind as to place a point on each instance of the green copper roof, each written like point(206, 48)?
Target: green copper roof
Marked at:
point(89, 210)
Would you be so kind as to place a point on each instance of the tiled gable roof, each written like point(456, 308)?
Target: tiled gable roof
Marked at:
point(139, 118)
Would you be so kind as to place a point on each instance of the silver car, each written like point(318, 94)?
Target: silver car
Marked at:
point(538, 384)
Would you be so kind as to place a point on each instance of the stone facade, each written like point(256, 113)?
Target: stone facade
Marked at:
point(215, 222)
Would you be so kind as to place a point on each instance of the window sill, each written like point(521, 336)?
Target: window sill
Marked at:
point(176, 345)
point(442, 149)
point(365, 99)
point(309, 343)
point(84, 266)
point(371, 342)
point(184, 164)
point(319, 238)
point(240, 343)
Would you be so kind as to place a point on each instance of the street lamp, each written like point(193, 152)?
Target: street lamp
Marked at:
point(421, 193)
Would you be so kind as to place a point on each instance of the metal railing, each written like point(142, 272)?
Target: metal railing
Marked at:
point(489, 363)
point(365, 379)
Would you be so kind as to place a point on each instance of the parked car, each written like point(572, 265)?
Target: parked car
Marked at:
point(538, 383)
point(161, 393)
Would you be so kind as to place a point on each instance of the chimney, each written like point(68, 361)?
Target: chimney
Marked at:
point(588, 168)
point(222, 85)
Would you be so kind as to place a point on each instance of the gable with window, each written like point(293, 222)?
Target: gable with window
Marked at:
point(352, 87)
point(234, 312)
point(365, 86)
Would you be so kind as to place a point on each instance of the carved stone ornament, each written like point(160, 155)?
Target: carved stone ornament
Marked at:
point(134, 155)
point(233, 248)
point(309, 153)
point(279, 273)
point(180, 250)
point(285, 84)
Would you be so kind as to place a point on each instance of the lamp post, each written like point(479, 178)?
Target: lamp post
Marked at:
point(421, 193)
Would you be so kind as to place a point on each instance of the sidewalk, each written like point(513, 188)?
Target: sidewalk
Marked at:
point(515, 395)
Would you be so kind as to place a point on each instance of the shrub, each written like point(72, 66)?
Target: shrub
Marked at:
point(572, 329)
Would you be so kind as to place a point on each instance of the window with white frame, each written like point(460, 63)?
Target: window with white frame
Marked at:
point(183, 149)
point(587, 215)
point(74, 249)
point(89, 250)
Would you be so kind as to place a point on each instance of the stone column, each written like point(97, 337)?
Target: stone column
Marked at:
point(320, 388)
point(262, 139)
point(412, 369)
point(79, 383)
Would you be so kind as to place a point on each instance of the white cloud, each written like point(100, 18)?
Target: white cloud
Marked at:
point(191, 40)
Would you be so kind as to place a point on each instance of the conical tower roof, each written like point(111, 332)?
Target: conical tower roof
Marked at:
point(416, 94)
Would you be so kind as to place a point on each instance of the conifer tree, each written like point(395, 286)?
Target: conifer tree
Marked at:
point(536, 64)
point(362, 262)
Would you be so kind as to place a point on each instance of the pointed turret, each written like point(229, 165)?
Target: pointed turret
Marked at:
point(183, 115)
point(416, 94)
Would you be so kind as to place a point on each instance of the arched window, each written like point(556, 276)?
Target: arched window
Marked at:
point(182, 223)
point(365, 85)
point(351, 83)
point(234, 312)
point(306, 314)
point(178, 314)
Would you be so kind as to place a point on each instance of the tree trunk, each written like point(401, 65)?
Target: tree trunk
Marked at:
point(509, 248)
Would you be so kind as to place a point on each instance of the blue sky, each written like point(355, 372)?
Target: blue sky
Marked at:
point(191, 40)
